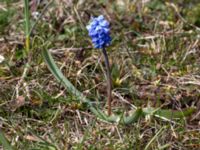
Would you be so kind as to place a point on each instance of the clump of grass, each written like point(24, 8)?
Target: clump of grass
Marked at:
point(5, 18)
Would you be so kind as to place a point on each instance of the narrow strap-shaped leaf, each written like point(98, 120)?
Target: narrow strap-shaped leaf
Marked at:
point(134, 116)
point(67, 84)
point(169, 114)
point(122, 119)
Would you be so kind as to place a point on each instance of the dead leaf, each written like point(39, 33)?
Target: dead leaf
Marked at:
point(31, 138)
point(16, 103)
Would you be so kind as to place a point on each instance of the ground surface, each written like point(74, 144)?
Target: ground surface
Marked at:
point(155, 61)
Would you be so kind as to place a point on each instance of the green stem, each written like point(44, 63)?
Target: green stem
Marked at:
point(109, 80)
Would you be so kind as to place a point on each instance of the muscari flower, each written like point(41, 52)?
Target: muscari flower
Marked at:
point(99, 32)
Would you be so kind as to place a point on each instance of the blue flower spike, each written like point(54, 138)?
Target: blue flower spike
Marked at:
point(99, 32)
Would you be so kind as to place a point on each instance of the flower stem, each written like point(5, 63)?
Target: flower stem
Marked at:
point(109, 80)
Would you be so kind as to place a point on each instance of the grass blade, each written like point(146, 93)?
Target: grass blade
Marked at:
point(27, 25)
point(154, 138)
point(4, 142)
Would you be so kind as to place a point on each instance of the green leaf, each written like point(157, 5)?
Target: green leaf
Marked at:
point(169, 114)
point(68, 85)
point(122, 119)
point(4, 142)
